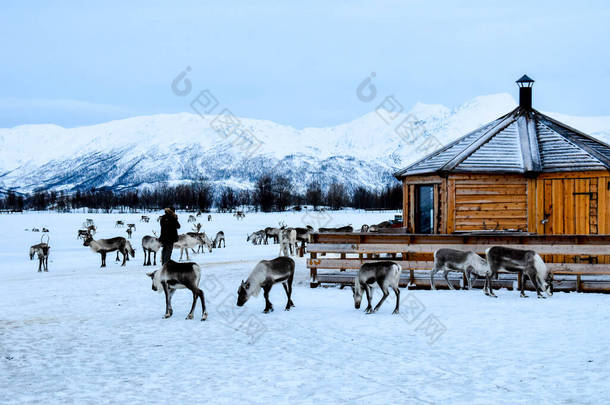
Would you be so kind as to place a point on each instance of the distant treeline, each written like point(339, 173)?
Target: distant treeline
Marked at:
point(271, 193)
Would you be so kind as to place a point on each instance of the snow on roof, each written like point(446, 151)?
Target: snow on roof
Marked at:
point(522, 141)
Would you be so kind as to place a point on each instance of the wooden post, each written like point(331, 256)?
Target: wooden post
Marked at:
point(313, 272)
point(342, 257)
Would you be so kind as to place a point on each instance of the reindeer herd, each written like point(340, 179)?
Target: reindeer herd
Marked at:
point(385, 273)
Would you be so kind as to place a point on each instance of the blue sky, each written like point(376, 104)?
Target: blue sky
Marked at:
point(297, 63)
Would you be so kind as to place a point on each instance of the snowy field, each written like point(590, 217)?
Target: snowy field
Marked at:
point(84, 335)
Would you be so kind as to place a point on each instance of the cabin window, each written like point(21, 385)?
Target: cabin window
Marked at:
point(424, 208)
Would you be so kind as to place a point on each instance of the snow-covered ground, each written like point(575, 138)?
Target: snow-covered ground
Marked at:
point(80, 334)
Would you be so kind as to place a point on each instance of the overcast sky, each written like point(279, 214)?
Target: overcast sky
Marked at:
point(76, 63)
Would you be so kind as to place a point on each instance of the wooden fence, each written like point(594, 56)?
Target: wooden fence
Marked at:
point(571, 255)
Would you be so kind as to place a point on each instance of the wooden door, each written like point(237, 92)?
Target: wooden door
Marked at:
point(570, 206)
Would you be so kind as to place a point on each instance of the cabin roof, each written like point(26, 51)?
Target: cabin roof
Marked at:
point(522, 141)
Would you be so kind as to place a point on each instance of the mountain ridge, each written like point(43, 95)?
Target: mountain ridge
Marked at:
point(145, 151)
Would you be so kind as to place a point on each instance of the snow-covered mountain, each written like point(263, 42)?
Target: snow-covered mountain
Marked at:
point(148, 150)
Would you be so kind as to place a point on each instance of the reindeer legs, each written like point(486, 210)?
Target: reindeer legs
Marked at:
point(369, 297)
point(288, 289)
point(168, 299)
point(382, 300)
point(397, 292)
point(268, 305)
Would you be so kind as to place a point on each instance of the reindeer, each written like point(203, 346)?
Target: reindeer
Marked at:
point(386, 274)
point(197, 228)
point(288, 242)
point(219, 239)
point(192, 218)
point(209, 217)
point(144, 218)
point(199, 213)
point(256, 237)
point(130, 229)
point(150, 244)
point(42, 250)
point(380, 226)
point(129, 249)
point(119, 224)
point(204, 242)
point(185, 242)
point(88, 222)
point(82, 233)
point(175, 275)
point(91, 229)
point(45, 230)
point(35, 230)
point(525, 262)
point(265, 274)
point(129, 232)
point(364, 228)
point(103, 246)
point(347, 228)
point(465, 262)
point(273, 233)
point(239, 215)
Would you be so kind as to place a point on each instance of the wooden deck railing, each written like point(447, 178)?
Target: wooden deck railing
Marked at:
point(564, 254)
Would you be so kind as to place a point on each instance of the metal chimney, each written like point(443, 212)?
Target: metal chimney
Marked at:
point(525, 84)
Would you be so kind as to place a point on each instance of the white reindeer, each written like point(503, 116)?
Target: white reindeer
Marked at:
point(288, 242)
point(468, 263)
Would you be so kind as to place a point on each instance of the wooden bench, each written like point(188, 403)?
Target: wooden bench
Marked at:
point(350, 256)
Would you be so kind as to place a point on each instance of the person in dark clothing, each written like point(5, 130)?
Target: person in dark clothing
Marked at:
point(169, 234)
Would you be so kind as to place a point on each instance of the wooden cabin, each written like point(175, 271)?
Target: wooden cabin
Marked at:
point(523, 172)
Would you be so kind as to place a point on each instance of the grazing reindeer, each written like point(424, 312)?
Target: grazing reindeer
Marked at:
point(347, 228)
point(273, 233)
point(192, 218)
point(42, 250)
point(185, 242)
point(219, 239)
point(386, 274)
point(526, 262)
point(150, 244)
point(144, 218)
point(35, 230)
point(209, 217)
point(239, 215)
point(119, 224)
point(265, 274)
point(304, 233)
point(129, 249)
point(256, 237)
point(204, 242)
point(175, 275)
point(103, 246)
point(466, 262)
point(288, 242)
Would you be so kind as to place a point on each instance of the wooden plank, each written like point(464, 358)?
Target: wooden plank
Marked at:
point(408, 265)
point(531, 205)
point(539, 206)
point(557, 206)
point(487, 179)
point(548, 206)
point(581, 205)
point(568, 206)
point(568, 249)
point(405, 204)
point(498, 214)
point(603, 216)
point(462, 207)
point(497, 190)
point(573, 175)
point(450, 206)
point(411, 208)
point(481, 199)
